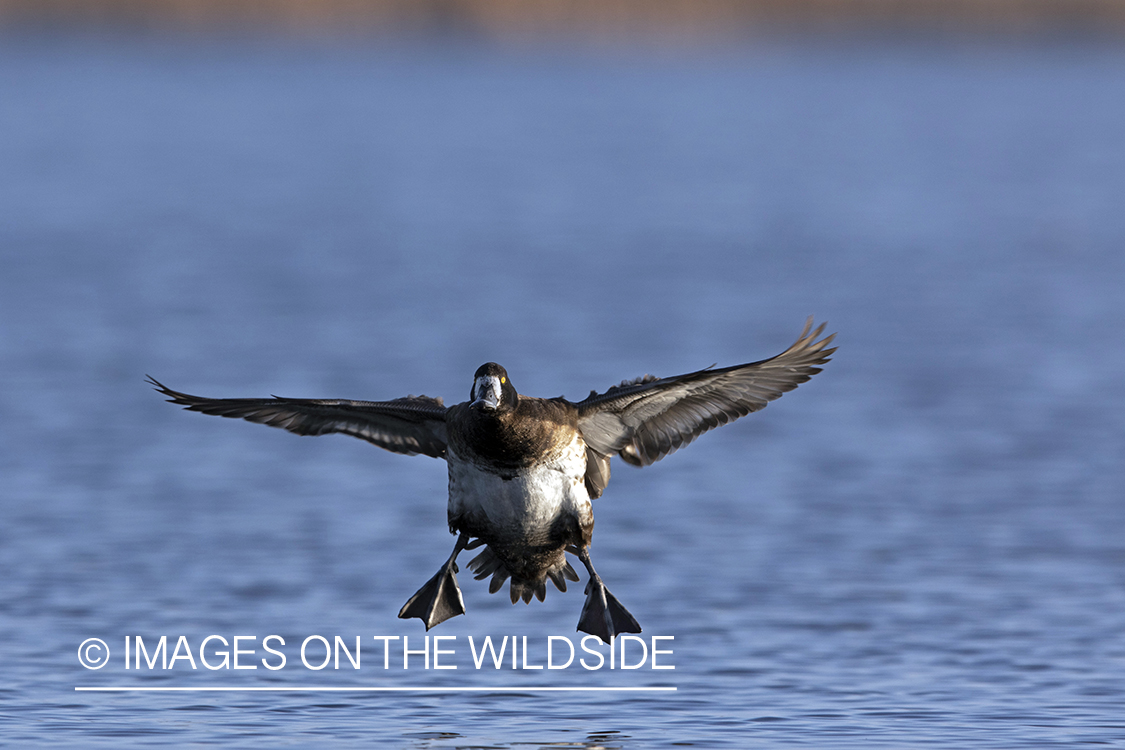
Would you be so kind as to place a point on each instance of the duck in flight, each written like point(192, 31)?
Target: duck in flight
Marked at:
point(522, 470)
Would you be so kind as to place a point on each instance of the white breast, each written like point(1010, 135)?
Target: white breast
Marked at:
point(527, 504)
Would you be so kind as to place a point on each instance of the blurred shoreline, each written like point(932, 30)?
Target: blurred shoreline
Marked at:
point(597, 17)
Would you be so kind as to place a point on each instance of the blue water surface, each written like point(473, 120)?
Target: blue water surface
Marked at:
point(924, 546)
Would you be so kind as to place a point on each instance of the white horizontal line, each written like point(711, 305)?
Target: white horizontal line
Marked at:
point(322, 689)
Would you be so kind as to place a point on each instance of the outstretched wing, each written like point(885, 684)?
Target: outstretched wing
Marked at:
point(646, 419)
point(411, 425)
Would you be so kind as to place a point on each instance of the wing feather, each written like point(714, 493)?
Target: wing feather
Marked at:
point(644, 420)
point(411, 425)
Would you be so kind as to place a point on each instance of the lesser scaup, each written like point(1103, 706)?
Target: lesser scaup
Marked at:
point(522, 470)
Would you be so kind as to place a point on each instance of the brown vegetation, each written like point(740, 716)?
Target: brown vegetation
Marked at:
point(598, 16)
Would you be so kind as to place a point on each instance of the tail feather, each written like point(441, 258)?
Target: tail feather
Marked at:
point(487, 563)
point(497, 581)
point(561, 574)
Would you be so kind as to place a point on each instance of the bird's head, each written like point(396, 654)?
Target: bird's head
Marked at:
point(491, 389)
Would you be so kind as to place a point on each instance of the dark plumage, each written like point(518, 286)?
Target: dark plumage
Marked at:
point(522, 470)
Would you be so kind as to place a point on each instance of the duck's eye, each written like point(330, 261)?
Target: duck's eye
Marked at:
point(503, 380)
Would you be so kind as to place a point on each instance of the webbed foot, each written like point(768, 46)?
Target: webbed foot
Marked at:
point(602, 615)
point(440, 599)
